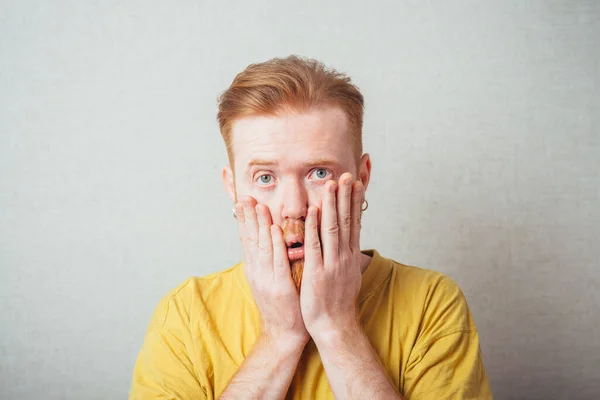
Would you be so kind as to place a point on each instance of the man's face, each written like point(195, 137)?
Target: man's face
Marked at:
point(284, 161)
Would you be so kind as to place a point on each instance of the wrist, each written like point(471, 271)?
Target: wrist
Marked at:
point(334, 336)
point(285, 343)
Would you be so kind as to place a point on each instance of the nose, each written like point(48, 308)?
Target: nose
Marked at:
point(295, 201)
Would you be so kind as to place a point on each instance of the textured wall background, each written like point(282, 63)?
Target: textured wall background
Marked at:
point(482, 121)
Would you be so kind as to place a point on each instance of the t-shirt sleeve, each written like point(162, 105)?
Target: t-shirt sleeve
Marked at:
point(164, 367)
point(449, 368)
point(446, 361)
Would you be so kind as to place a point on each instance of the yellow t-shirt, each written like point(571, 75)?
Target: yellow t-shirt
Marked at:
point(418, 322)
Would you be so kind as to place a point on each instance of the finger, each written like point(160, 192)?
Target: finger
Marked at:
point(251, 224)
point(281, 263)
point(313, 255)
point(344, 209)
point(265, 245)
point(241, 219)
point(358, 194)
point(329, 224)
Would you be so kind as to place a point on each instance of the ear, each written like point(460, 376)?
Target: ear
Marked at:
point(229, 182)
point(364, 170)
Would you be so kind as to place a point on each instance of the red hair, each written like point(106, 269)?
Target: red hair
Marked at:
point(291, 84)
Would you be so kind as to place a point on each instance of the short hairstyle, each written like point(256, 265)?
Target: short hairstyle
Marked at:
point(291, 84)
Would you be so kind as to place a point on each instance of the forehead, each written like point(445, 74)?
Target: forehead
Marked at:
point(321, 133)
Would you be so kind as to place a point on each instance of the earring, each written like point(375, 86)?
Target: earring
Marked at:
point(365, 205)
point(233, 212)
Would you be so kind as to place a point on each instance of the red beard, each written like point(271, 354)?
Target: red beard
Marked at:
point(295, 228)
point(297, 267)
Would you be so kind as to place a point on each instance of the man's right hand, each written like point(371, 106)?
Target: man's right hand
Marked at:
point(268, 272)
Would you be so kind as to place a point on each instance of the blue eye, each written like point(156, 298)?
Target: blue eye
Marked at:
point(320, 173)
point(265, 179)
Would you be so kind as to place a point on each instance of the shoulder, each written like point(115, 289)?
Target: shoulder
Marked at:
point(435, 299)
point(190, 296)
point(426, 280)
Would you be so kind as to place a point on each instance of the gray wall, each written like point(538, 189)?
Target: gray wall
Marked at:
point(482, 121)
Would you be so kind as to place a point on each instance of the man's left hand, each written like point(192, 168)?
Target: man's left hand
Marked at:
point(332, 269)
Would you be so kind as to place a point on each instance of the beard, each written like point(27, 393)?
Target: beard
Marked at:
point(297, 267)
point(295, 228)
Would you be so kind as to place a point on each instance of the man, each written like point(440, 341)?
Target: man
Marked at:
point(307, 315)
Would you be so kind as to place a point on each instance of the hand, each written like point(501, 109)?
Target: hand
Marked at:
point(332, 271)
point(268, 272)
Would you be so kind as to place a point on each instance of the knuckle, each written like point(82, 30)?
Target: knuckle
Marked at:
point(314, 245)
point(333, 229)
point(346, 220)
point(263, 249)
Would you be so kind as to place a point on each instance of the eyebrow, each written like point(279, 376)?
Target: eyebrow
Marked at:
point(261, 163)
point(321, 161)
point(312, 163)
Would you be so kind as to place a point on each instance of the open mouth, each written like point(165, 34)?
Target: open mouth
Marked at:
point(295, 250)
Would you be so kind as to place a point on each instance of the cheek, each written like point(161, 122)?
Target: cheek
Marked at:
point(315, 196)
point(269, 199)
point(241, 190)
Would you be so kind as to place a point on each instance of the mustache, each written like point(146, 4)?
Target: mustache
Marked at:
point(293, 227)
